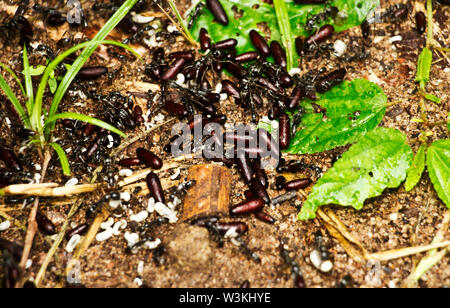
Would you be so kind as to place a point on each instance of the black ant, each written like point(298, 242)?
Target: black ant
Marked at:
point(329, 13)
point(137, 36)
point(50, 55)
point(18, 23)
point(195, 14)
point(299, 281)
point(145, 232)
point(398, 11)
point(53, 18)
point(11, 270)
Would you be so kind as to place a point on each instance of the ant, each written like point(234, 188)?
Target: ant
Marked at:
point(19, 23)
point(53, 18)
point(50, 55)
point(295, 268)
point(145, 232)
point(195, 14)
point(313, 21)
point(11, 270)
point(398, 11)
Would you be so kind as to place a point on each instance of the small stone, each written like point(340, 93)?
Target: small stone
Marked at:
point(190, 247)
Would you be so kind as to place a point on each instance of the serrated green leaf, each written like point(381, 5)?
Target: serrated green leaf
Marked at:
point(255, 12)
point(352, 109)
point(438, 163)
point(424, 67)
point(378, 161)
point(416, 170)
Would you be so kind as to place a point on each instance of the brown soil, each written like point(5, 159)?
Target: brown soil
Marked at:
point(396, 219)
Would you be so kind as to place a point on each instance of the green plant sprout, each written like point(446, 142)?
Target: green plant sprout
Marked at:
point(32, 116)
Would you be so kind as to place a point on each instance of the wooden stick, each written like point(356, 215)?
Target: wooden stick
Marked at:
point(48, 190)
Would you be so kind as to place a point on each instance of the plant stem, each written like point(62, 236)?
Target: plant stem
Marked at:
point(181, 24)
point(285, 29)
point(32, 225)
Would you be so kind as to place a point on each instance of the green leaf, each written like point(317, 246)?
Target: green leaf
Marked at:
point(255, 12)
point(432, 98)
point(438, 163)
point(84, 56)
point(6, 68)
point(52, 84)
point(62, 158)
point(285, 30)
point(14, 101)
point(416, 170)
point(84, 118)
point(35, 71)
point(378, 161)
point(424, 67)
point(28, 84)
point(37, 112)
point(352, 109)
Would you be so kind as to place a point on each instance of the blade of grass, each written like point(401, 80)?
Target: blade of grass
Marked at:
point(285, 29)
point(28, 82)
point(184, 29)
point(6, 68)
point(84, 118)
point(84, 56)
point(37, 111)
point(62, 157)
point(14, 101)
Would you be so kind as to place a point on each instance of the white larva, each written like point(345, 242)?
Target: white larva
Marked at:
point(315, 258)
point(139, 217)
point(5, 225)
point(105, 235)
point(73, 242)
